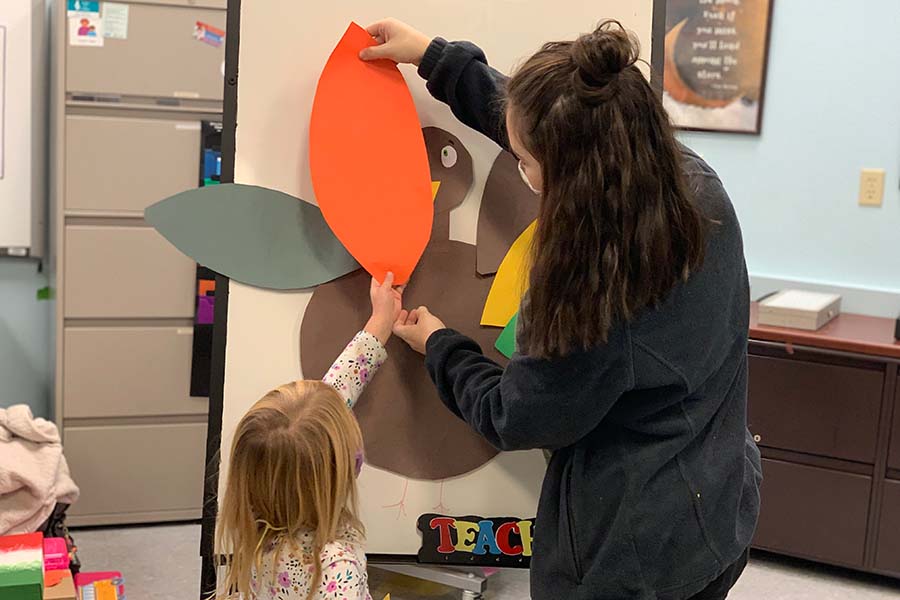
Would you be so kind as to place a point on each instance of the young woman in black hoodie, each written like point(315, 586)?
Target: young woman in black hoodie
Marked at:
point(632, 363)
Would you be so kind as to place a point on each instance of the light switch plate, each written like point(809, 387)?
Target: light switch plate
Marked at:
point(871, 187)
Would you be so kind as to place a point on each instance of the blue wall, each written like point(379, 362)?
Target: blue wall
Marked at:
point(24, 337)
point(832, 107)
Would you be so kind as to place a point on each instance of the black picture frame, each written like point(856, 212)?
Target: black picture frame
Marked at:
point(676, 9)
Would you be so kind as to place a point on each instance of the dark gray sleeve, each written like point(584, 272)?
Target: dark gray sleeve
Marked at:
point(533, 403)
point(458, 75)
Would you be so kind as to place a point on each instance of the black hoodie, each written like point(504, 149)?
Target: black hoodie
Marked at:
point(652, 490)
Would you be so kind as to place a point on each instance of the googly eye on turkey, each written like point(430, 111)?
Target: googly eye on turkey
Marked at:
point(448, 156)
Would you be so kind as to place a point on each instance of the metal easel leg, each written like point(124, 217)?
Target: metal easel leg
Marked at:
point(472, 584)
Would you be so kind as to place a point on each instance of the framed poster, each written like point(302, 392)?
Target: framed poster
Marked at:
point(716, 52)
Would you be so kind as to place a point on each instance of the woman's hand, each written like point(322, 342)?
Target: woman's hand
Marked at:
point(397, 41)
point(416, 326)
point(387, 302)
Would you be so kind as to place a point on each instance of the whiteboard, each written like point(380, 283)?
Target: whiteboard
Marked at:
point(283, 46)
point(23, 68)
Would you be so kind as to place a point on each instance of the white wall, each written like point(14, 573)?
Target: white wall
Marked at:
point(24, 337)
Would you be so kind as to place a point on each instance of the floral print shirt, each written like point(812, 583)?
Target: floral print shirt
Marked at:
point(289, 576)
point(356, 366)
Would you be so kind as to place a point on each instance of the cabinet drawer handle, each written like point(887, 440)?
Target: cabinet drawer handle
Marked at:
point(757, 438)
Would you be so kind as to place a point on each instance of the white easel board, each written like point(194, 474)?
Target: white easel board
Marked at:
point(283, 47)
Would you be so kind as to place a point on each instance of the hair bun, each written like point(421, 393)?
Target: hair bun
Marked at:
point(601, 55)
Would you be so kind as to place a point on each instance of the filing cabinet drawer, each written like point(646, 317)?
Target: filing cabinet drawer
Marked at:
point(137, 468)
point(107, 170)
point(887, 554)
point(223, 4)
point(894, 455)
point(128, 372)
point(814, 513)
point(815, 408)
point(121, 272)
point(161, 57)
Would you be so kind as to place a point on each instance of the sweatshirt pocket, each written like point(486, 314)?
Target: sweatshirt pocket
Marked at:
point(569, 529)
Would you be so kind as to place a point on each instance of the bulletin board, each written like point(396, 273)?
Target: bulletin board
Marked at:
point(279, 49)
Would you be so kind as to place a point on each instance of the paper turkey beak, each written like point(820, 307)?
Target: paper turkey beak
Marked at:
point(435, 186)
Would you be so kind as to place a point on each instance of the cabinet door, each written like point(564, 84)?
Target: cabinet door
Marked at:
point(123, 165)
point(130, 473)
point(887, 555)
point(128, 372)
point(894, 456)
point(813, 513)
point(815, 408)
point(125, 272)
point(161, 57)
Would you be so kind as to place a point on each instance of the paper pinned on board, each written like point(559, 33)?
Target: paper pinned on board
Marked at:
point(506, 343)
point(80, 7)
point(85, 29)
point(253, 235)
point(507, 208)
point(115, 21)
point(368, 160)
point(510, 282)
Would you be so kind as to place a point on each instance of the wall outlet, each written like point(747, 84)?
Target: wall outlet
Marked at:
point(871, 187)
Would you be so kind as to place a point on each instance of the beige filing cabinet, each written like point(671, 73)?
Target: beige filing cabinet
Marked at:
point(125, 122)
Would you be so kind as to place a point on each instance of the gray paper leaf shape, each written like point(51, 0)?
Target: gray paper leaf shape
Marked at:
point(253, 235)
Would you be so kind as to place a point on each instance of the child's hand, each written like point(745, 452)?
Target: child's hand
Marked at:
point(416, 326)
point(387, 301)
point(397, 42)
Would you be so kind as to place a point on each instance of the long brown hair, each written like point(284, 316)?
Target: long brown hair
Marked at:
point(617, 229)
point(292, 470)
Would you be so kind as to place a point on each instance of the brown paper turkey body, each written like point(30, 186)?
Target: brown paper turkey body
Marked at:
point(406, 428)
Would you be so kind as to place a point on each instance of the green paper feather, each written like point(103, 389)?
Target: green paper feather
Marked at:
point(506, 343)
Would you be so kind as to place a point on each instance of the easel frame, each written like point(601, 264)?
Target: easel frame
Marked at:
point(400, 564)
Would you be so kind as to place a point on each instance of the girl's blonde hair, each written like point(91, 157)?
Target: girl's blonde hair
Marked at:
point(293, 468)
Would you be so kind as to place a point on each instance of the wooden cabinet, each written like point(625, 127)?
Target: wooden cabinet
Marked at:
point(799, 505)
point(894, 452)
point(887, 555)
point(824, 408)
